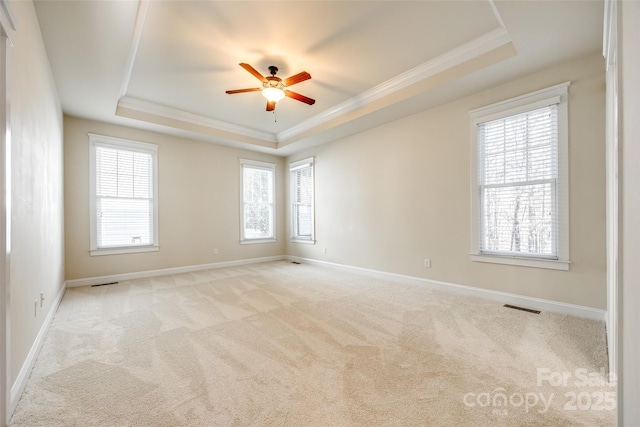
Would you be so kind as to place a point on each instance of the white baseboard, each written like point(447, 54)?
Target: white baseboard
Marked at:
point(165, 271)
point(21, 381)
point(514, 299)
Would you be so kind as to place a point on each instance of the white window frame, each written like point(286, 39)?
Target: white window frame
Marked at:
point(255, 164)
point(557, 94)
point(120, 144)
point(293, 168)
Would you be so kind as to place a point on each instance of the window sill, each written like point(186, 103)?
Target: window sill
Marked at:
point(256, 241)
point(129, 250)
point(304, 241)
point(551, 264)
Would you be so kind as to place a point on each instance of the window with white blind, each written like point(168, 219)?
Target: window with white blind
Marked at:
point(257, 210)
point(123, 195)
point(520, 180)
point(301, 182)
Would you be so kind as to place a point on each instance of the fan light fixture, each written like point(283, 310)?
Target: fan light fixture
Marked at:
point(274, 88)
point(273, 94)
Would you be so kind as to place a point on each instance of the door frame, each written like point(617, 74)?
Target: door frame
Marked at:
point(610, 52)
point(7, 28)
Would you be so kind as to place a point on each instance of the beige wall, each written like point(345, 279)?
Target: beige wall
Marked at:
point(37, 253)
point(385, 199)
point(391, 196)
point(199, 205)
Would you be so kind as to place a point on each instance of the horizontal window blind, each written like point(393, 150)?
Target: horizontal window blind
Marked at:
point(302, 189)
point(124, 197)
point(258, 202)
point(517, 184)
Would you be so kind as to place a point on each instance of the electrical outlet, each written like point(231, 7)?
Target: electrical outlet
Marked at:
point(325, 250)
point(215, 251)
point(41, 298)
point(427, 263)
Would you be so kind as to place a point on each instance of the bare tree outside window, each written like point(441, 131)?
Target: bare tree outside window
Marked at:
point(303, 202)
point(517, 176)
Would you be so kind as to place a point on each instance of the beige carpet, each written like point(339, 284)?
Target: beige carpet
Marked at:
point(280, 344)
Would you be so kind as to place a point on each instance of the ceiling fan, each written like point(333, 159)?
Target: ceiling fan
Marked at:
point(274, 88)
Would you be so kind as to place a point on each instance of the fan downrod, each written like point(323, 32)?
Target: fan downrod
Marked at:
point(273, 70)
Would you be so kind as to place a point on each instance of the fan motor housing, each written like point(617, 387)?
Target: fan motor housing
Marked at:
point(274, 82)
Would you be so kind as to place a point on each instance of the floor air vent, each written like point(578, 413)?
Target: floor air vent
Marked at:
point(528, 310)
point(104, 284)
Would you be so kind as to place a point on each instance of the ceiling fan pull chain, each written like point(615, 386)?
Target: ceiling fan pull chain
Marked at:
point(275, 117)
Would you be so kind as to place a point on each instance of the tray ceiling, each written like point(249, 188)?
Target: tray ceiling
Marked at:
point(165, 65)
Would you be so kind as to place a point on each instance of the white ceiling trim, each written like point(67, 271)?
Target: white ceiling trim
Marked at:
point(609, 36)
point(479, 60)
point(141, 17)
point(148, 107)
point(496, 13)
point(459, 55)
point(196, 119)
point(7, 20)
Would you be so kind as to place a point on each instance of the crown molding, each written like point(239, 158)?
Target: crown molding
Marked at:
point(459, 55)
point(147, 107)
point(496, 14)
point(466, 52)
point(141, 17)
point(7, 20)
point(609, 35)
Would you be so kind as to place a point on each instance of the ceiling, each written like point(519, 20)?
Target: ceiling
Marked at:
point(165, 65)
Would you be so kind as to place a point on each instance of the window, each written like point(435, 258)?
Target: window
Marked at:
point(520, 180)
point(257, 184)
point(124, 202)
point(301, 181)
